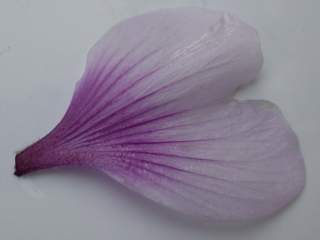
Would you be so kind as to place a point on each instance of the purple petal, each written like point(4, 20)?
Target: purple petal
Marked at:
point(153, 111)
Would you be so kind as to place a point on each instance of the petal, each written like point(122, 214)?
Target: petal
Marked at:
point(174, 44)
point(228, 162)
point(156, 64)
point(235, 161)
point(163, 57)
point(152, 110)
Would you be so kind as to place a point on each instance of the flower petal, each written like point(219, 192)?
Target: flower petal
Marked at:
point(235, 161)
point(173, 44)
point(166, 56)
point(153, 111)
point(228, 162)
point(156, 64)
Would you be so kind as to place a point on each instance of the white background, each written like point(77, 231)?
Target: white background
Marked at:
point(43, 45)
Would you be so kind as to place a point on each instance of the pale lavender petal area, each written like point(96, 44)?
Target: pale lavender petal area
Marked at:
point(234, 161)
point(154, 111)
point(163, 57)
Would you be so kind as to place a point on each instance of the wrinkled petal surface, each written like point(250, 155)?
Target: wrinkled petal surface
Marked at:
point(154, 111)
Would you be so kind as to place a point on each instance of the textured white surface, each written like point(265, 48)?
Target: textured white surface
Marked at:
point(43, 45)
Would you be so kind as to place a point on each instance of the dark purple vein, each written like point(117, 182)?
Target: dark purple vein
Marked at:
point(147, 121)
point(105, 91)
point(99, 122)
point(149, 95)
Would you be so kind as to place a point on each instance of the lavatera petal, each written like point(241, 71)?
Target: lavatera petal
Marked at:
point(154, 111)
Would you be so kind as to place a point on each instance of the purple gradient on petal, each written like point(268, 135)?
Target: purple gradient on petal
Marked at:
point(154, 111)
